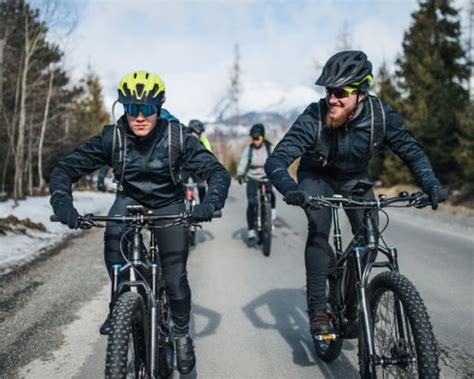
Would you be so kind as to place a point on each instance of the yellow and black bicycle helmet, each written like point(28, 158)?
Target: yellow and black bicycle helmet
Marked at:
point(141, 87)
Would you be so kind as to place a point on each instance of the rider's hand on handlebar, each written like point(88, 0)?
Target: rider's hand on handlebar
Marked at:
point(298, 197)
point(203, 212)
point(67, 215)
point(437, 195)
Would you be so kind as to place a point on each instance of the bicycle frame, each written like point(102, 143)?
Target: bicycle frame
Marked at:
point(365, 246)
point(262, 196)
point(150, 291)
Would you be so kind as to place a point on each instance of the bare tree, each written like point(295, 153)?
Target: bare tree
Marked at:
point(41, 183)
point(344, 36)
point(31, 43)
point(235, 88)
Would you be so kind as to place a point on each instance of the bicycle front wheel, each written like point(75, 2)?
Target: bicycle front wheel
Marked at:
point(404, 343)
point(266, 228)
point(126, 348)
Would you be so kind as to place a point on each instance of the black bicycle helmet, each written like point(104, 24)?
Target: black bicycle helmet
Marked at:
point(257, 130)
point(346, 68)
point(196, 126)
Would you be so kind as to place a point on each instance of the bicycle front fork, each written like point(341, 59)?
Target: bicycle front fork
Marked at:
point(365, 316)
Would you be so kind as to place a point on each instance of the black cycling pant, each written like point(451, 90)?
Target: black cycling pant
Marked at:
point(185, 175)
point(173, 251)
point(317, 257)
point(252, 206)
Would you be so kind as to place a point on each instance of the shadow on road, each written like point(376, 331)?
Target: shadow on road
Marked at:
point(288, 309)
point(204, 235)
point(213, 319)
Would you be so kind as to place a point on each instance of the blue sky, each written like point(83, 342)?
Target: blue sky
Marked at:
point(190, 43)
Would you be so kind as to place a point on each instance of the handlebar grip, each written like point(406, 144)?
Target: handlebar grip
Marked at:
point(217, 214)
point(53, 218)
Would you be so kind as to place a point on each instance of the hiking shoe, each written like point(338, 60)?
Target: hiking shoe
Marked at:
point(106, 327)
point(251, 235)
point(319, 324)
point(185, 357)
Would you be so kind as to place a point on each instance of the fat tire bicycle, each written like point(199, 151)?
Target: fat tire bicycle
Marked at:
point(140, 344)
point(263, 216)
point(395, 337)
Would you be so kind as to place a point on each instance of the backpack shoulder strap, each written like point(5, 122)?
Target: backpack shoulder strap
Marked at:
point(118, 153)
point(321, 146)
point(267, 146)
point(377, 126)
point(249, 162)
point(175, 150)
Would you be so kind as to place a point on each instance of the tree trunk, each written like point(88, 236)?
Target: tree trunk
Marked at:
point(29, 165)
point(30, 47)
point(43, 131)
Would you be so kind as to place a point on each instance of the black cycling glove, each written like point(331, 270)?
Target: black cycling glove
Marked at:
point(437, 195)
point(297, 197)
point(203, 212)
point(64, 210)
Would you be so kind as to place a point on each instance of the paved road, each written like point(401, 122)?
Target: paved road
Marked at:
point(249, 318)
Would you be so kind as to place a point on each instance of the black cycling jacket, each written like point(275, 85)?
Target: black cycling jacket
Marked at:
point(349, 149)
point(147, 177)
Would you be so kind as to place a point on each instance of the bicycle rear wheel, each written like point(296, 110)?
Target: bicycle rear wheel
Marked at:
point(403, 350)
point(266, 234)
point(126, 349)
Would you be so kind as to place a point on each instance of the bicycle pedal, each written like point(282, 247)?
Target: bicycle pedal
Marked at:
point(325, 337)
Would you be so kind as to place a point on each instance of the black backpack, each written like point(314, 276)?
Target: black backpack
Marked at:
point(175, 151)
point(323, 141)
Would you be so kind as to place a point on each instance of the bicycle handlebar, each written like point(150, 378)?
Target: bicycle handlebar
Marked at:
point(418, 200)
point(139, 217)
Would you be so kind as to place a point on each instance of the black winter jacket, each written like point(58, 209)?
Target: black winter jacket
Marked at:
point(147, 177)
point(349, 149)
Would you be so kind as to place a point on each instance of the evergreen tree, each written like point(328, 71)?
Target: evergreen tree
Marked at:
point(434, 77)
point(385, 165)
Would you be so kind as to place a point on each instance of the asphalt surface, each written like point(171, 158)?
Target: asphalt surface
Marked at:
point(249, 313)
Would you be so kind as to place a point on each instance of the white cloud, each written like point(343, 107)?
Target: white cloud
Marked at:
point(190, 44)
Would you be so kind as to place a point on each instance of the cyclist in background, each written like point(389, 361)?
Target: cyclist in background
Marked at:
point(196, 129)
point(136, 148)
point(251, 168)
point(335, 138)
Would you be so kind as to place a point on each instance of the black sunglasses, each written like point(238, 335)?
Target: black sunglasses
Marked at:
point(340, 92)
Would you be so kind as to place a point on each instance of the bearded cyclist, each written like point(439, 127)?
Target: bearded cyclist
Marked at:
point(335, 139)
point(196, 129)
point(145, 180)
point(251, 168)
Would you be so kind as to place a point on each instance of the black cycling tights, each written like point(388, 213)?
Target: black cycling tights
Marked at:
point(173, 250)
point(252, 192)
point(319, 226)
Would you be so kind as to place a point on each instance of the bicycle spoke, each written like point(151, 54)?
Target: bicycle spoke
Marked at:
point(388, 343)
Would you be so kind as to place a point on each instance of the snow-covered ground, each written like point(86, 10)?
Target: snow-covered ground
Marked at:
point(18, 249)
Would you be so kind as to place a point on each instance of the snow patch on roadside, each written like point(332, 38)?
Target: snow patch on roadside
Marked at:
point(16, 250)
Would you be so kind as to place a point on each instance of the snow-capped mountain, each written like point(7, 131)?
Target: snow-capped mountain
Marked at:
point(266, 102)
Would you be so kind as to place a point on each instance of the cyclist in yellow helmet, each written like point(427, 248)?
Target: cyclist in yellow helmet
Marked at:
point(136, 148)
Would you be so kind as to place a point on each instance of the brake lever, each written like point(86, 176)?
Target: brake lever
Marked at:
point(85, 222)
point(421, 200)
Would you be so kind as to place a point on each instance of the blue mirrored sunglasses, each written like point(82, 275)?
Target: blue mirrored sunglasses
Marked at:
point(134, 109)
